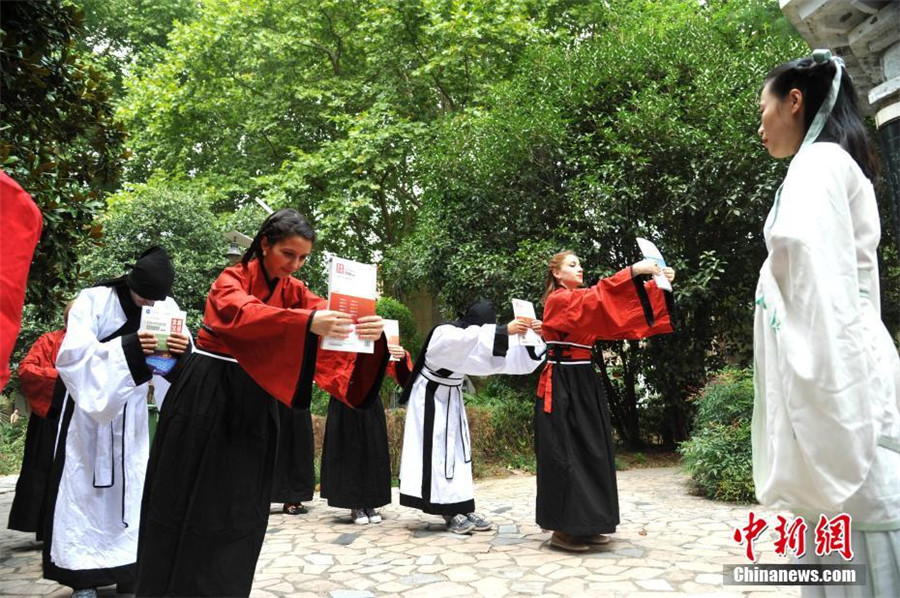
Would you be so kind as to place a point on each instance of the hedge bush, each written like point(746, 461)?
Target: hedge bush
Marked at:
point(719, 455)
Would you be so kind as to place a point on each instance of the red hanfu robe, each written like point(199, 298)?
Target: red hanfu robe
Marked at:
point(616, 308)
point(212, 466)
point(38, 376)
point(37, 371)
point(260, 326)
point(576, 470)
point(21, 229)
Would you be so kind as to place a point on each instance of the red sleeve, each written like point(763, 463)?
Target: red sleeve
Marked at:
point(618, 307)
point(352, 378)
point(268, 341)
point(19, 235)
point(37, 372)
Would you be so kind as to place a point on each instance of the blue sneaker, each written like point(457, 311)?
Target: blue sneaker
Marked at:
point(481, 524)
point(460, 524)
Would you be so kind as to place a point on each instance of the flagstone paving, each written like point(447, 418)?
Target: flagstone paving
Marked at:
point(669, 544)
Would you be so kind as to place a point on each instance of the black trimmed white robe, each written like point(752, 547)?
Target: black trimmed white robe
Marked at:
point(436, 464)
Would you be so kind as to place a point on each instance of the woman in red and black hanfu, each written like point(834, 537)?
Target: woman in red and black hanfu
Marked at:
point(356, 463)
point(38, 377)
point(209, 482)
point(576, 472)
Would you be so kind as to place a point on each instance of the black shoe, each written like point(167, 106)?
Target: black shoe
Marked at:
point(294, 509)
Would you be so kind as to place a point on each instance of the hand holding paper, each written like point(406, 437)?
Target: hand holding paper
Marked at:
point(392, 333)
point(353, 325)
point(650, 252)
point(524, 310)
point(157, 326)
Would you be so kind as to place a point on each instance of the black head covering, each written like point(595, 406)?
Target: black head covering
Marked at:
point(479, 313)
point(152, 275)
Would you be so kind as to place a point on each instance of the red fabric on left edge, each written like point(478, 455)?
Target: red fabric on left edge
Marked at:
point(19, 234)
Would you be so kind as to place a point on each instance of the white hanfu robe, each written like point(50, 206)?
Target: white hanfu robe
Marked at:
point(826, 430)
point(436, 462)
point(104, 443)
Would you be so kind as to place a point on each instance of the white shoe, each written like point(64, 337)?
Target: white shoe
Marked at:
point(86, 593)
point(359, 516)
point(373, 515)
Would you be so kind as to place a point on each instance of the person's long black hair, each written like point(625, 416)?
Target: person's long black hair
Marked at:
point(279, 225)
point(845, 125)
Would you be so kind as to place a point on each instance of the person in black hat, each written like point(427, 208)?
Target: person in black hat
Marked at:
point(436, 463)
point(96, 482)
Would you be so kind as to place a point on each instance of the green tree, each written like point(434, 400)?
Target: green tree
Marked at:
point(125, 33)
point(646, 129)
point(174, 217)
point(59, 139)
point(319, 105)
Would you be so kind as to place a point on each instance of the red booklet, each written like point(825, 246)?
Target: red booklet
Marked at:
point(351, 289)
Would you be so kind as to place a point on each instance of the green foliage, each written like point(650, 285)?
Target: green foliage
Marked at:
point(511, 415)
point(319, 105)
point(59, 138)
point(645, 128)
point(390, 308)
point(12, 445)
point(719, 455)
point(125, 33)
point(318, 405)
point(171, 215)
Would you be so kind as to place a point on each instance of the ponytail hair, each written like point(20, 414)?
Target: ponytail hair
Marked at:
point(550, 281)
point(844, 125)
point(280, 225)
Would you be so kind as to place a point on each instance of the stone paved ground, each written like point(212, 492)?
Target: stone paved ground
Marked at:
point(669, 543)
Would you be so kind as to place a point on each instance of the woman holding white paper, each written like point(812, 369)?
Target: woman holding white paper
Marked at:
point(209, 482)
point(577, 496)
point(436, 463)
point(826, 423)
point(96, 480)
point(356, 463)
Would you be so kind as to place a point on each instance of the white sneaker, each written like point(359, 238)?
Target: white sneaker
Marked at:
point(373, 515)
point(359, 516)
point(86, 593)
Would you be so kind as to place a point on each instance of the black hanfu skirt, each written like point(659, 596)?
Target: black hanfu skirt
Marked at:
point(29, 502)
point(295, 469)
point(209, 483)
point(356, 464)
point(576, 468)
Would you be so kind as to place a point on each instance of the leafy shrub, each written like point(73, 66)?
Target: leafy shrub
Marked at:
point(719, 455)
point(12, 445)
point(393, 309)
point(510, 433)
point(174, 216)
point(390, 308)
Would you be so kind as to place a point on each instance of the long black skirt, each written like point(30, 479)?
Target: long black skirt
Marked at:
point(209, 484)
point(576, 468)
point(25, 515)
point(29, 503)
point(356, 464)
point(295, 469)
